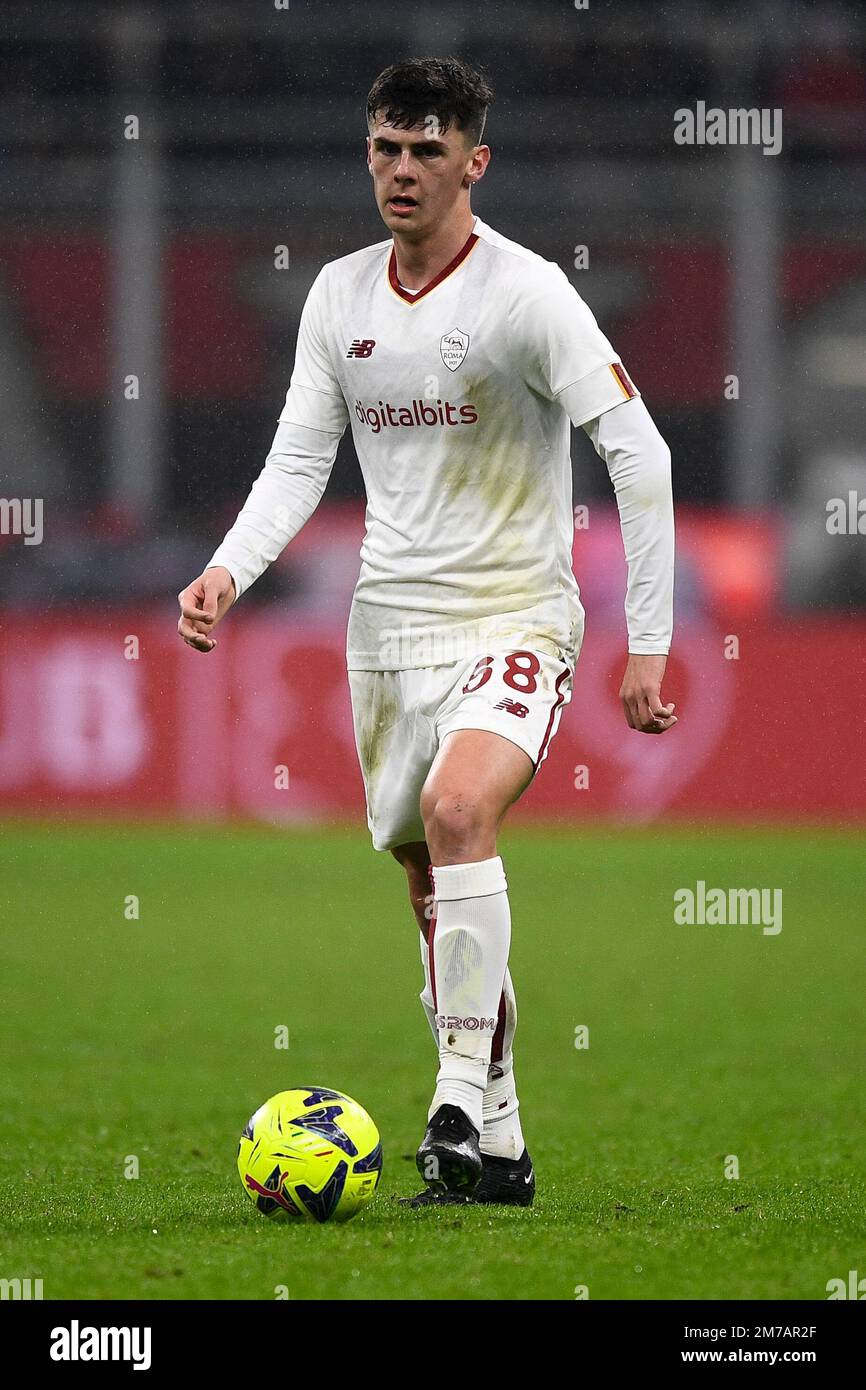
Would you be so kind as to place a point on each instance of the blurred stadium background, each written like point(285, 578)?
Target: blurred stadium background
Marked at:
point(157, 257)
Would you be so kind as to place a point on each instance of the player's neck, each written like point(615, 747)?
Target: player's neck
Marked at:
point(419, 262)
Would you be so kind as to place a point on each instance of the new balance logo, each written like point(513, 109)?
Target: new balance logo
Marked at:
point(361, 347)
point(513, 707)
point(470, 1024)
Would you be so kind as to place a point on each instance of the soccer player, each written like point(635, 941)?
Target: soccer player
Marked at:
point(460, 359)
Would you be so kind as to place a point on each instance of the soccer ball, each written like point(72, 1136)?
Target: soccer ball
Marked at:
point(310, 1155)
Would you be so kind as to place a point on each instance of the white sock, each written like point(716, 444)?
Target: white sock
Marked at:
point(426, 995)
point(470, 937)
point(501, 1135)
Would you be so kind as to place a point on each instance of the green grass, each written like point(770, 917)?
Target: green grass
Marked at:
point(155, 1038)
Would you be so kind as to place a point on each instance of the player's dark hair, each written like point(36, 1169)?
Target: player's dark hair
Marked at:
point(407, 93)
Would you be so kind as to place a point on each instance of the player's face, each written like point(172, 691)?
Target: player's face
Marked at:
point(419, 175)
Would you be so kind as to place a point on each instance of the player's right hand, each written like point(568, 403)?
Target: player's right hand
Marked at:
point(202, 604)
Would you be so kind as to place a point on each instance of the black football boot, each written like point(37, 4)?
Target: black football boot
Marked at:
point(507, 1182)
point(449, 1159)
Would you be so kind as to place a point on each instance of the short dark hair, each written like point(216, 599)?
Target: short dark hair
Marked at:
point(408, 92)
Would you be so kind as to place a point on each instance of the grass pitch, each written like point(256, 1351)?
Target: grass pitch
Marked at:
point(155, 1038)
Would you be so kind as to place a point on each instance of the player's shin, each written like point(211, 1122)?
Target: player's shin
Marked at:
point(468, 949)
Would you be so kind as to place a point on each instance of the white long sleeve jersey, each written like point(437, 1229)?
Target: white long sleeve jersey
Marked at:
point(459, 396)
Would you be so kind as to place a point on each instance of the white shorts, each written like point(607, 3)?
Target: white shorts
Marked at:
point(401, 718)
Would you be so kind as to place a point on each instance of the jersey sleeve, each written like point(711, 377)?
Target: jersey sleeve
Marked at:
point(562, 352)
point(314, 398)
point(639, 463)
point(281, 501)
point(299, 463)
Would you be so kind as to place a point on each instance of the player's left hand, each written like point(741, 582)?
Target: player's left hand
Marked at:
point(202, 604)
point(641, 695)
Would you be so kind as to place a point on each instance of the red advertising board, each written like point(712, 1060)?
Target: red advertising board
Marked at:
point(113, 714)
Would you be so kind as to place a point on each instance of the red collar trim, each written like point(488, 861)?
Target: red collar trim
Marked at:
point(411, 298)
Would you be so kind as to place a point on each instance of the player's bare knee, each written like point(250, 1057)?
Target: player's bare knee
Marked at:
point(455, 823)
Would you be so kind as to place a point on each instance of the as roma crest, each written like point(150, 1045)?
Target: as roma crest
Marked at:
point(453, 347)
